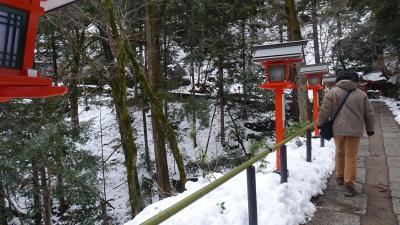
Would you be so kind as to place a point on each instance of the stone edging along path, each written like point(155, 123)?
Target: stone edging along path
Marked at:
point(378, 181)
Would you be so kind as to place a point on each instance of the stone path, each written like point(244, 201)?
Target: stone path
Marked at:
point(378, 181)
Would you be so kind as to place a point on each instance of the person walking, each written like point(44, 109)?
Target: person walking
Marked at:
point(348, 127)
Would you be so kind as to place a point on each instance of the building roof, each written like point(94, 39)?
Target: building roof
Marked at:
point(292, 49)
point(54, 4)
point(374, 76)
point(313, 69)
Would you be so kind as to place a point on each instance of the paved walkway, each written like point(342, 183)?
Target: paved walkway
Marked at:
point(378, 181)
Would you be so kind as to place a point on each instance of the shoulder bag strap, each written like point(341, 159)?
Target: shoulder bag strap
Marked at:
point(341, 105)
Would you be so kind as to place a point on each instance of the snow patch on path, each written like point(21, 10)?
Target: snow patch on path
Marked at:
point(394, 107)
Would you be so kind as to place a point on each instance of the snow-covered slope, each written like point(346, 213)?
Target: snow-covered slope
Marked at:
point(278, 204)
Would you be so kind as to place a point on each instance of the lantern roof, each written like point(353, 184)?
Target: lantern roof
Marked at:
point(49, 5)
point(279, 51)
point(329, 79)
point(314, 69)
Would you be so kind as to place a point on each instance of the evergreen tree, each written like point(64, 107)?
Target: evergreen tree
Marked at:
point(36, 140)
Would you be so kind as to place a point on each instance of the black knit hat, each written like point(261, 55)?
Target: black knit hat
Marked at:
point(347, 75)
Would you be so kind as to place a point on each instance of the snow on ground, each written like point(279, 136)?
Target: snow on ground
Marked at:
point(116, 185)
point(394, 107)
point(278, 204)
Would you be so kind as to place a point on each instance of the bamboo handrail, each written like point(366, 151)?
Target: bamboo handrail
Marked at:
point(172, 210)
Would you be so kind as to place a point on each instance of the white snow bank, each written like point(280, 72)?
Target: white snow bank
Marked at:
point(278, 204)
point(394, 107)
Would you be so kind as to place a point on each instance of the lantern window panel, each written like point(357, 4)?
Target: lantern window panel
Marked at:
point(313, 80)
point(12, 36)
point(276, 73)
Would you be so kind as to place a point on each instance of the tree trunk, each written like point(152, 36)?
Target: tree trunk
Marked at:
point(194, 121)
point(118, 90)
point(379, 60)
point(339, 34)
point(398, 54)
point(62, 205)
point(280, 32)
point(54, 56)
point(3, 209)
point(153, 99)
point(127, 141)
point(37, 212)
point(314, 19)
point(146, 143)
point(153, 59)
point(244, 63)
point(294, 35)
point(46, 194)
point(221, 102)
point(73, 91)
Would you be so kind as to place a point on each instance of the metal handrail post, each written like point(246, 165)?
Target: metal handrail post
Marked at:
point(308, 135)
point(322, 142)
point(252, 195)
point(284, 170)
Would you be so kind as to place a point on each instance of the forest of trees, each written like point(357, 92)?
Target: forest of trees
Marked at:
point(131, 57)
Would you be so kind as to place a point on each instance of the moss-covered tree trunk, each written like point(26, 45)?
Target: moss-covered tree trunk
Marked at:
point(117, 82)
point(155, 102)
point(128, 145)
point(153, 60)
point(295, 35)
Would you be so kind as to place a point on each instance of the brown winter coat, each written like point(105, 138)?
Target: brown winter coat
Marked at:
point(356, 112)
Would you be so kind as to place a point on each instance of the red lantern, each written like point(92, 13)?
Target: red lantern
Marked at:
point(314, 75)
point(18, 24)
point(277, 60)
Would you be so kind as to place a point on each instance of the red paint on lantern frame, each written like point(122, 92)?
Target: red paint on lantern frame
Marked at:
point(16, 81)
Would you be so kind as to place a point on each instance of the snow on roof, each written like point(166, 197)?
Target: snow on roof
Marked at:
point(394, 79)
point(53, 4)
point(374, 76)
point(278, 51)
point(312, 69)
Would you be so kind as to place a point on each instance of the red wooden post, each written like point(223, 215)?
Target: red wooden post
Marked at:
point(315, 110)
point(279, 124)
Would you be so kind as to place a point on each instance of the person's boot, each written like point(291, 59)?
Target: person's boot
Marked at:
point(350, 191)
point(339, 181)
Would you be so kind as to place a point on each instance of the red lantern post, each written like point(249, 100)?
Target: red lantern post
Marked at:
point(18, 24)
point(314, 75)
point(277, 60)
